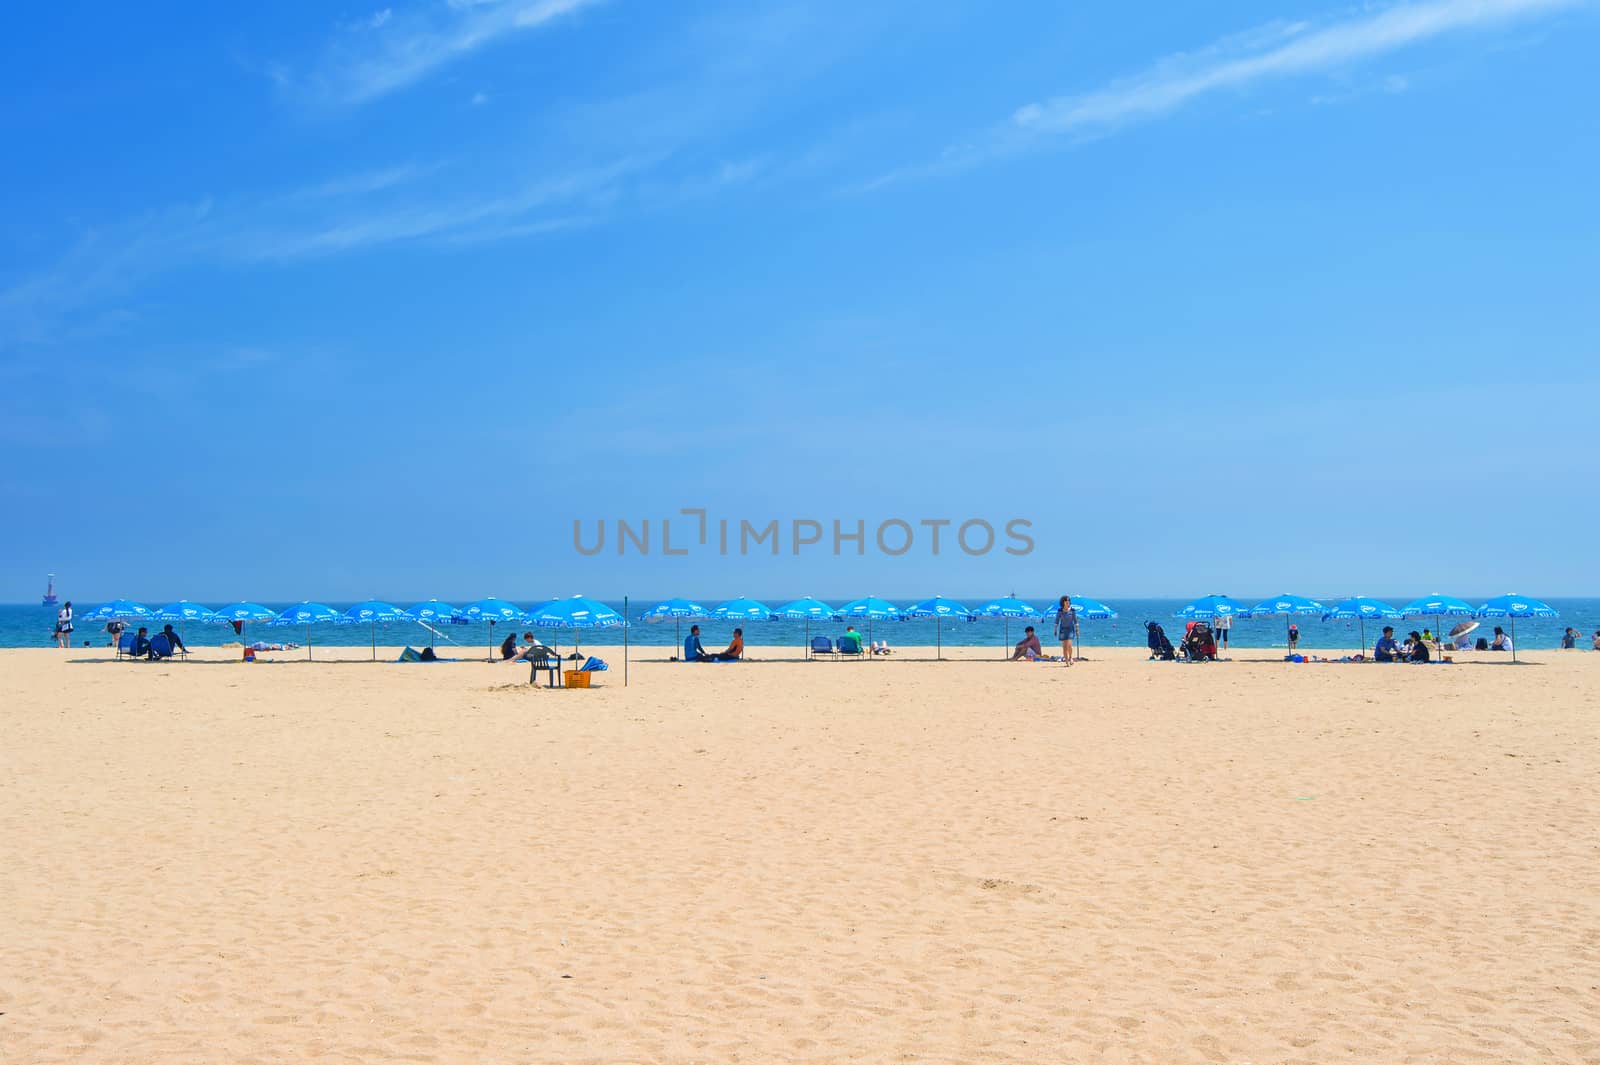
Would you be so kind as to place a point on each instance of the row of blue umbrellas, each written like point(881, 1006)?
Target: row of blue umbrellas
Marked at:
point(868, 609)
point(576, 612)
point(1360, 608)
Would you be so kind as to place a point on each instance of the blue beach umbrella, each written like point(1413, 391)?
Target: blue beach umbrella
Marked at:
point(182, 611)
point(1439, 607)
point(676, 611)
point(1210, 607)
point(1286, 605)
point(938, 608)
point(434, 613)
point(241, 614)
point(373, 611)
point(1093, 609)
point(1007, 608)
point(491, 610)
point(742, 609)
point(1089, 609)
point(118, 610)
point(1515, 606)
point(307, 614)
point(871, 609)
point(806, 609)
point(575, 613)
point(1361, 608)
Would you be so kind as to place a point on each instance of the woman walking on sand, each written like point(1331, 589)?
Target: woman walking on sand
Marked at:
point(1066, 627)
point(64, 625)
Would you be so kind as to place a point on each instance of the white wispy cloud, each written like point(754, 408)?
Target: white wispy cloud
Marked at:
point(80, 292)
point(1280, 50)
point(403, 47)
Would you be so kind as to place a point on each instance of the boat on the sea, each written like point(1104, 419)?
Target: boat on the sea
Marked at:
point(49, 590)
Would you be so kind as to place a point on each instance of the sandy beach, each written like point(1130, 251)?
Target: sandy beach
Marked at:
point(896, 861)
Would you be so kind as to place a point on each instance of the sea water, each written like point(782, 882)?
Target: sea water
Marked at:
point(31, 626)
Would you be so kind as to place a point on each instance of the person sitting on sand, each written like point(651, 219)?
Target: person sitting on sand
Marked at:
point(531, 651)
point(1028, 647)
point(1597, 639)
point(693, 649)
point(1386, 650)
point(735, 649)
point(1419, 648)
point(173, 639)
point(508, 646)
point(1501, 641)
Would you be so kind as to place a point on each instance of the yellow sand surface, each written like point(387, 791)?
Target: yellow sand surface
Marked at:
point(783, 861)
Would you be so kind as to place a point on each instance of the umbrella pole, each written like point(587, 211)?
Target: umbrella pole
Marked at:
point(491, 640)
point(1513, 638)
point(374, 641)
point(1007, 642)
point(308, 641)
point(1363, 624)
point(624, 641)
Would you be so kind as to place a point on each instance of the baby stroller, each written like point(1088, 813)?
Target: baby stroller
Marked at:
point(1156, 639)
point(1199, 645)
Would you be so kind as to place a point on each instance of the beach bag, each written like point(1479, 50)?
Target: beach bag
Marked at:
point(1483, 644)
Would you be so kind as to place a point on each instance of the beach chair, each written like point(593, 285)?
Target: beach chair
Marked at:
point(850, 646)
point(160, 646)
point(125, 645)
point(546, 659)
point(821, 647)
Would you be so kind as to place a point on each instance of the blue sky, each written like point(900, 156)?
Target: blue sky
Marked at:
point(319, 301)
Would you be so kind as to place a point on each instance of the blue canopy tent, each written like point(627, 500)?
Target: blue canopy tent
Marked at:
point(676, 611)
point(434, 613)
point(241, 614)
point(574, 613)
point(1008, 608)
point(373, 611)
point(870, 608)
point(806, 609)
point(1513, 606)
point(1286, 605)
point(1439, 607)
point(939, 608)
point(1361, 607)
point(491, 610)
point(307, 614)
